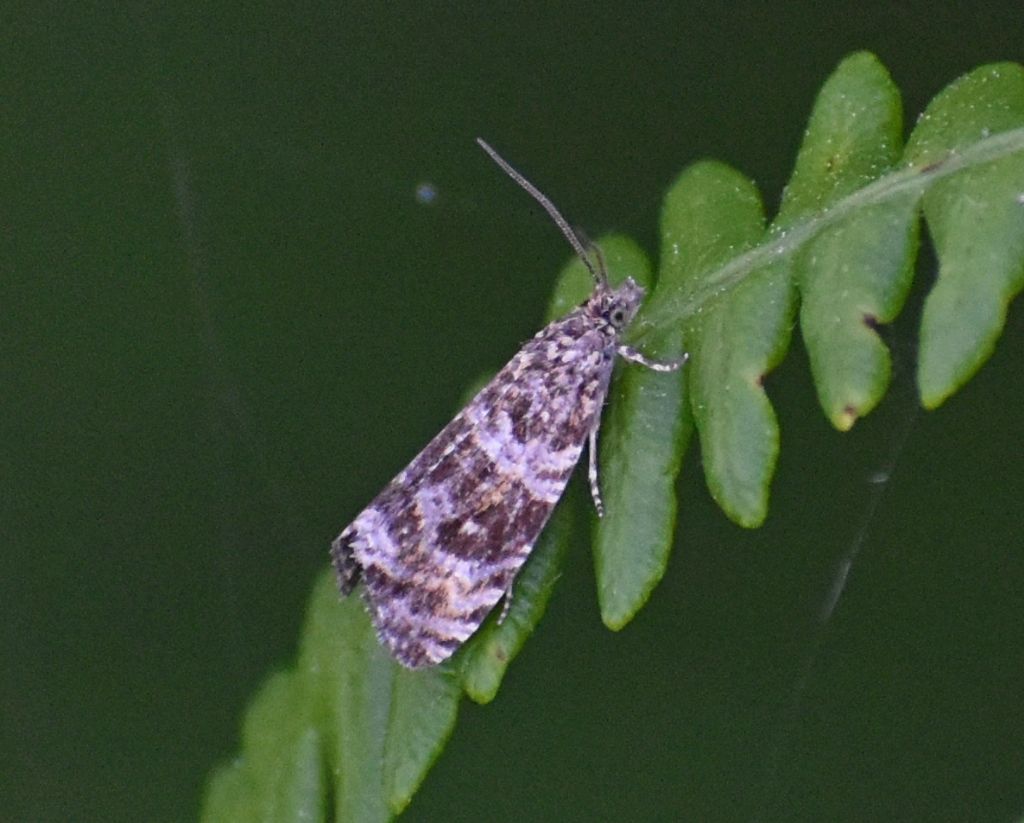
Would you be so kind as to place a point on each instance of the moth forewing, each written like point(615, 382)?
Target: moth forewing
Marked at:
point(444, 540)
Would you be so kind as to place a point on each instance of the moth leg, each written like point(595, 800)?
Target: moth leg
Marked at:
point(505, 605)
point(595, 488)
point(638, 357)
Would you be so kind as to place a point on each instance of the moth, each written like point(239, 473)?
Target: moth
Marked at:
point(443, 542)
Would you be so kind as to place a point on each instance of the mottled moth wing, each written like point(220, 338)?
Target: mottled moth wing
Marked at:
point(445, 539)
point(441, 544)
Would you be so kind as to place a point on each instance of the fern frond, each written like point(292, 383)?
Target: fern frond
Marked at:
point(348, 724)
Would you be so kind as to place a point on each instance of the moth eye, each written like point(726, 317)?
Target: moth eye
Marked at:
point(617, 317)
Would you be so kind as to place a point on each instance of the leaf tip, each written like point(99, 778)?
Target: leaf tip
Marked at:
point(615, 621)
point(846, 417)
point(619, 607)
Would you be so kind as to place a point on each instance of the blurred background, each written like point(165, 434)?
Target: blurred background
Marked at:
point(251, 256)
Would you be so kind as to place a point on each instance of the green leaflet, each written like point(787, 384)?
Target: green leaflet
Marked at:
point(642, 440)
point(424, 705)
point(845, 242)
point(856, 272)
point(280, 774)
point(710, 214)
point(347, 712)
point(976, 219)
point(350, 676)
point(323, 720)
point(842, 247)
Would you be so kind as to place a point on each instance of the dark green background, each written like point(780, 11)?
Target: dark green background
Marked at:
point(227, 321)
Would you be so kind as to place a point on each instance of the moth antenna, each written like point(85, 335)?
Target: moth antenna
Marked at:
point(563, 224)
point(602, 267)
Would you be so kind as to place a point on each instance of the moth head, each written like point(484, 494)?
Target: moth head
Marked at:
point(618, 305)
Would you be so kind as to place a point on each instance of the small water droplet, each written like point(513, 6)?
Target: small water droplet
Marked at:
point(426, 194)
